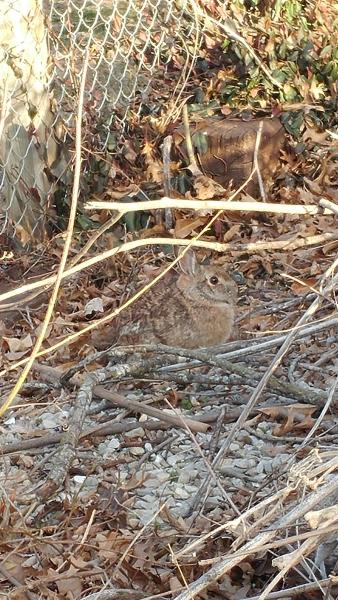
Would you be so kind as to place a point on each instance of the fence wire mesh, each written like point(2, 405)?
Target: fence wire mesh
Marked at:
point(132, 47)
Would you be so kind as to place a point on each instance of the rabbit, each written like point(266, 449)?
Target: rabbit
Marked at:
point(193, 308)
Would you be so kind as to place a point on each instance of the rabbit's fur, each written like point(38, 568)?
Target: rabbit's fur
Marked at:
point(194, 308)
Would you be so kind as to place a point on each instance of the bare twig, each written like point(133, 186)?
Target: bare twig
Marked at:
point(229, 205)
point(63, 458)
point(300, 590)
point(328, 204)
point(289, 560)
point(140, 408)
point(195, 170)
point(5, 107)
point(256, 164)
point(100, 231)
point(166, 179)
point(322, 414)
point(248, 347)
point(290, 244)
point(247, 374)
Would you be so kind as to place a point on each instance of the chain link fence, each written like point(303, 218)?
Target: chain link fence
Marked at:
point(141, 53)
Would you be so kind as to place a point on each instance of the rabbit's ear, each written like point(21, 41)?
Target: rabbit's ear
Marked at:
point(188, 263)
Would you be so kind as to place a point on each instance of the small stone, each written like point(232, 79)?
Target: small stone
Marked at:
point(191, 489)
point(260, 467)
point(150, 500)
point(184, 477)
point(140, 504)
point(172, 460)
point(51, 421)
point(212, 502)
point(267, 466)
point(194, 473)
point(136, 451)
point(79, 479)
point(234, 447)
point(108, 447)
point(217, 514)
point(157, 478)
point(85, 483)
point(264, 427)
point(181, 493)
point(259, 445)
point(134, 433)
point(245, 463)
point(146, 516)
point(280, 461)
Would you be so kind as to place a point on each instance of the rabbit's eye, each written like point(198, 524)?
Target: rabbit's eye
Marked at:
point(213, 280)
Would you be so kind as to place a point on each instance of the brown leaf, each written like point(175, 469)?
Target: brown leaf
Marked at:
point(175, 584)
point(184, 227)
point(155, 171)
point(69, 581)
point(177, 522)
point(300, 288)
point(330, 247)
point(19, 345)
point(206, 188)
point(118, 193)
point(318, 137)
point(295, 416)
point(234, 229)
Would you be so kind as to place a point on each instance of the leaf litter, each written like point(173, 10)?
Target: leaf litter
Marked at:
point(122, 512)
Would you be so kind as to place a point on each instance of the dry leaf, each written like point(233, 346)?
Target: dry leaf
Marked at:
point(234, 229)
point(94, 305)
point(155, 171)
point(206, 188)
point(295, 416)
point(177, 523)
point(300, 288)
point(19, 345)
point(184, 227)
point(118, 193)
point(69, 582)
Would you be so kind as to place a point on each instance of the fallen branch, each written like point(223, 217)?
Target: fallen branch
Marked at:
point(293, 243)
point(247, 375)
point(114, 428)
point(66, 452)
point(139, 408)
point(299, 590)
point(328, 204)
point(63, 458)
point(229, 205)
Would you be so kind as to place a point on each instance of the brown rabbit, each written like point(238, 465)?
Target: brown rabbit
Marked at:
point(191, 309)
